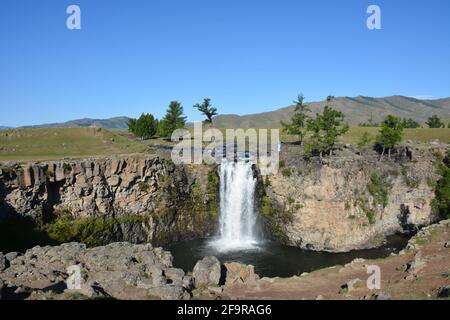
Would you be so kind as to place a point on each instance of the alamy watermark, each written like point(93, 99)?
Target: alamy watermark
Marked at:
point(374, 20)
point(73, 21)
point(374, 280)
point(251, 145)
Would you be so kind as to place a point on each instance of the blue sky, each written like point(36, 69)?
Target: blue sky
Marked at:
point(248, 56)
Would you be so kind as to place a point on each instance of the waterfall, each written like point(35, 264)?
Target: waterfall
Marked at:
point(237, 224)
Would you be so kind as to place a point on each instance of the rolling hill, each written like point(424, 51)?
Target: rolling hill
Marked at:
point(356, 110)
point(117, 123)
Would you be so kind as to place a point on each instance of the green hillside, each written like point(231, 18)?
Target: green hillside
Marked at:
point(117, 123)
point(57, 143)
point(357, 110)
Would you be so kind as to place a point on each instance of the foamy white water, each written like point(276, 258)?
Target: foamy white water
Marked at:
point(237, 224)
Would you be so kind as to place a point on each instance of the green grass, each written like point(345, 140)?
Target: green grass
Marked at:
point(419, 134)
point(57, 143)
point(354, 135)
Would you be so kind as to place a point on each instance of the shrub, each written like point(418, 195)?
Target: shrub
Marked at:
point(143, 186)
point(441, 202)
point(286, 172)
point(379, 190)
point(370, 214)
point(410, 182)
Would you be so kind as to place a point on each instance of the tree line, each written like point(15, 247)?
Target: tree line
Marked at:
point(433, 122)
point(147, 126)
point(324, 130)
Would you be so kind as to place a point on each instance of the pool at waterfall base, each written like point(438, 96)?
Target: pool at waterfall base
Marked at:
point(240, 237)
point(272, 259)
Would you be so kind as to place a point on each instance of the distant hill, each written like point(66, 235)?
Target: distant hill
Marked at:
point(5, 128)
point(117, 123)
point(357, 110)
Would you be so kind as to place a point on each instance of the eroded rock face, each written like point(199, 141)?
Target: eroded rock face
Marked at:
point(118, 270)
point(336, 206)
point(177, 200)
point(207, 272)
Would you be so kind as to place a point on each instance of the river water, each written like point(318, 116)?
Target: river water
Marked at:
point(272, 259)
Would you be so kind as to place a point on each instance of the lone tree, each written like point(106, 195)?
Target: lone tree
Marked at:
point(207, 109)
point(333, 126)
point(326, 129)
point(299, 120)
point(390, 134)
point(410, 123)
point(174, 119)
point(435, 122)
point(145, 127)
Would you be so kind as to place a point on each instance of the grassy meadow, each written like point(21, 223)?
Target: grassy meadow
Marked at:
point(58, 143)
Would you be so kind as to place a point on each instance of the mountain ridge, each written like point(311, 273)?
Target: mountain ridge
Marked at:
point(115, 123)
point(356, 110)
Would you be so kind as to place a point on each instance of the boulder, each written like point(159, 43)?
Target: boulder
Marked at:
point(417, 264)
point(207, 272)
point(11, 256)
point(238, 273)
point(175, 275)
point(168, 292)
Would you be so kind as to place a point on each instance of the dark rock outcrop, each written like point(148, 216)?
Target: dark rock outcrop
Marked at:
point(118, 270)
point(149, 200)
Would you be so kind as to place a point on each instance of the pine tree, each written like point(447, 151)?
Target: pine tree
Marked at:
point(207, 109)
point(174, 119)
point(299, 120)
point(325, 130)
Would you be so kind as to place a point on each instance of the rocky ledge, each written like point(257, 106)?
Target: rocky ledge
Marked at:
point(116, 271)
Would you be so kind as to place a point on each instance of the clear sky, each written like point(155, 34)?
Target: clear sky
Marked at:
point(247, 55)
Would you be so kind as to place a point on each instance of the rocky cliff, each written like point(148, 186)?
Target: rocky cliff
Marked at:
point(350, 201)
point(345, 202)
point(105, 200)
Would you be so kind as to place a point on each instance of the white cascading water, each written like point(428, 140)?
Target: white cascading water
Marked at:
point(237, 229)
